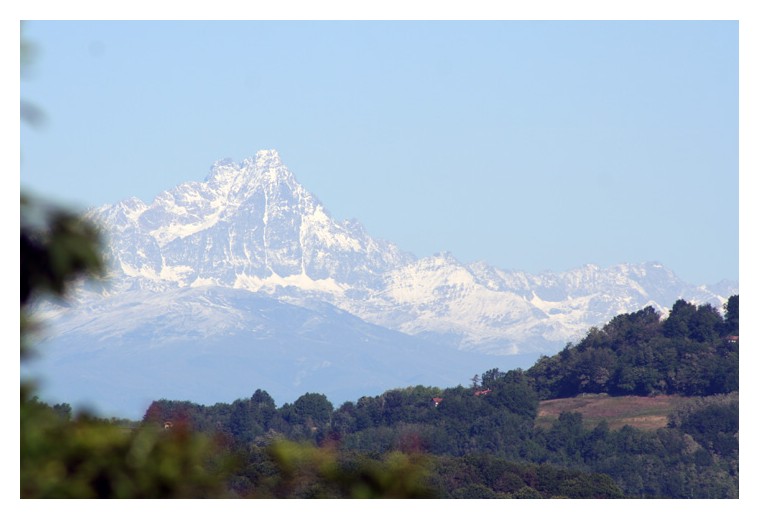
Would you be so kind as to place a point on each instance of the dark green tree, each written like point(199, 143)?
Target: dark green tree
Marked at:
point(731, 316)
point(706, 324)
point(676, 325)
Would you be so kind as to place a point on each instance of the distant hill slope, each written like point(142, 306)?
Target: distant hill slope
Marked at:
point(693, 352)
point(214, 344)
point(642, 412)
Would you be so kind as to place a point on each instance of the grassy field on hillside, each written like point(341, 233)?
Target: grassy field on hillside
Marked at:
point(643, 412)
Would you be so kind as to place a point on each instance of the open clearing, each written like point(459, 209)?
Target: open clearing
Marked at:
point(643, 412)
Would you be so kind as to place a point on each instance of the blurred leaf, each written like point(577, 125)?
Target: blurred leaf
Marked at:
point(91, 458)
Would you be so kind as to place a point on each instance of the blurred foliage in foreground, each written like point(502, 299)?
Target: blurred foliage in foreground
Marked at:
point(92, 458)
point(303, 470)
point(87, 457)
point(57, 249)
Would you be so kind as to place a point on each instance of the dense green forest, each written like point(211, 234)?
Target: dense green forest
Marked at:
point(693, 352)
point(481, 441)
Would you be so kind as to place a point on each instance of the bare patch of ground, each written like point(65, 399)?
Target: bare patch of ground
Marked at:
point(643, 412)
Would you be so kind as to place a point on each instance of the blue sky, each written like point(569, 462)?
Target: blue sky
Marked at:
point(529, 145)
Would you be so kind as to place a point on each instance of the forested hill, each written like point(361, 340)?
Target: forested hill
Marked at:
point(693, 352)
point(461, 430)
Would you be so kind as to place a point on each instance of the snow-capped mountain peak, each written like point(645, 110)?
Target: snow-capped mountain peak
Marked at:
point(235, 181)
point(249, 224)
point(252, 226)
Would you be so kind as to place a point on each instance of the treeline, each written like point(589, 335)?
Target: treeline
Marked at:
point(696, 456)
point(329, 472)
point(86, 457)
point(693, 352)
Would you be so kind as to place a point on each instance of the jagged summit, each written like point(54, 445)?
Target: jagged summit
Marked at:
point(250, 225)
point(268, 158)
point(266, 166)
point(262, 158)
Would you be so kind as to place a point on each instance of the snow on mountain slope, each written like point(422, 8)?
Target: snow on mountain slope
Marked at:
point(249, 225)
point(252, 226)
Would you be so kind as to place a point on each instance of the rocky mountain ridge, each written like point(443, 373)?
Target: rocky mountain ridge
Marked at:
point(252, 226)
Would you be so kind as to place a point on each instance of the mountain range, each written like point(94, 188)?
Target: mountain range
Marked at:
point(245, 281)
